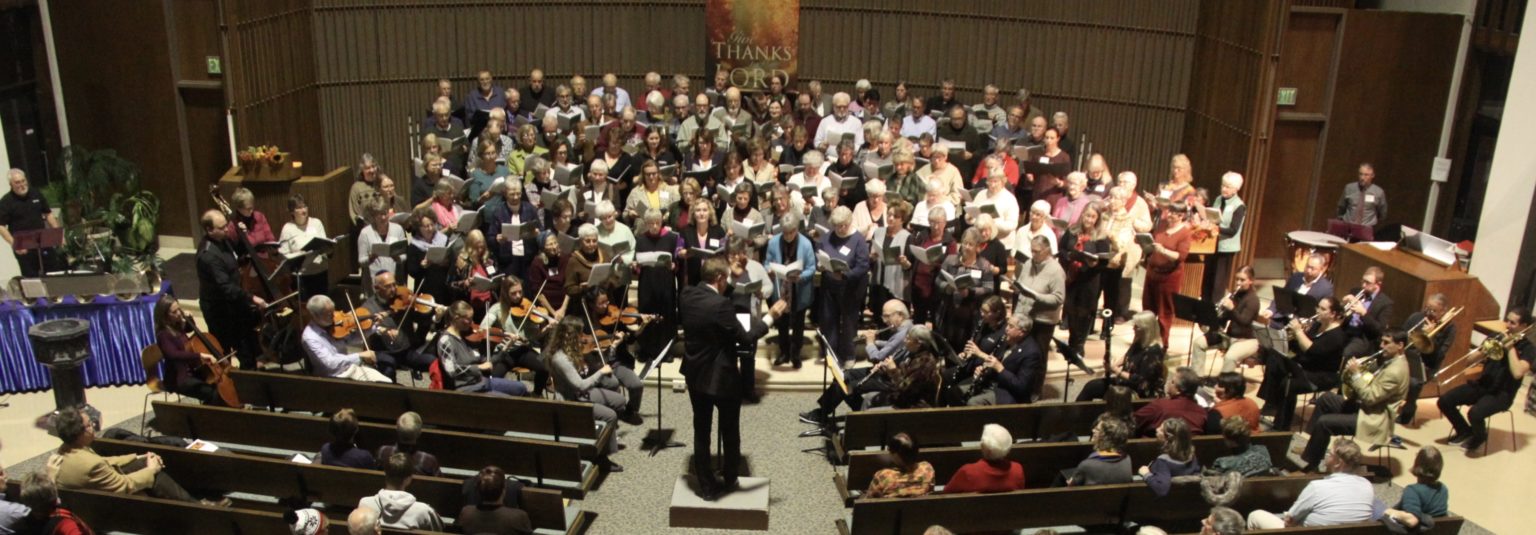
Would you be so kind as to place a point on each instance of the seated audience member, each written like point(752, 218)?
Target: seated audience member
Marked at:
point(79, 467)
point(1231, 402)
point(1341, 498)
point(12, 513)
point(307, 521)
point(1108, 464)
point(407, 432)
point(398, 508)
point(1246, 458)
point(1180, 403)
point(364, 521)
point(1177, 458)
point(908, 477)
point(491, 515)
point(1119, 404)
point(1222, 521)
point(1426, 499)
point(342, 450)
point(45, 515)
point(995, 472)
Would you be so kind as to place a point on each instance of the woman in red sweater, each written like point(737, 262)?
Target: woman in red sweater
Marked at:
point(994, 472)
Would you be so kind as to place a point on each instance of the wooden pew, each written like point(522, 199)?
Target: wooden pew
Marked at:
point(564, 421)
point(538, 460)
point(954, 425)
point(129, 513)
point(1044, 460)
point(339, 488)
point(1097, 505)
point(1445, 525)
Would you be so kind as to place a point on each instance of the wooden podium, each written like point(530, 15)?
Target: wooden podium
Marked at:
point(1409, 280)
point(326, 196)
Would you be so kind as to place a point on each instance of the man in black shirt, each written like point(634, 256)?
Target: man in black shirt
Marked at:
point(24, 209)
point(230, 311)
point(1494, 391)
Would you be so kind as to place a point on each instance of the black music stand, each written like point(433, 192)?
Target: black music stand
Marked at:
point(1352, 232)
point(1292, 304)
point(1198, 312)
point(658, 438)
point(37, 240)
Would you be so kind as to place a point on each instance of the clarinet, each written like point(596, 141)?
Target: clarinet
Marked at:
point(985, 380)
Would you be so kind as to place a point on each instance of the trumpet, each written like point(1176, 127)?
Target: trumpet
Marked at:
point(1350, 300)
point(1423, 339)
point(1492, 348)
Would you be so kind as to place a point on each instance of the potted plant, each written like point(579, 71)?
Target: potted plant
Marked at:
point(106, 215)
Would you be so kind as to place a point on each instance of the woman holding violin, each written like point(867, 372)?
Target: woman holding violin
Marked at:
point(608, 339)
point(464, 366)
point(171, 328)
point(522, 323)
point(579, 379)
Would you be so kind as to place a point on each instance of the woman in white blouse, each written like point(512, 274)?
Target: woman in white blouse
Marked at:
point(1039, 224)
point(311, 278)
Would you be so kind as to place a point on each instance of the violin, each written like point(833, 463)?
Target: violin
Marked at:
point(406, 300)
point(601, 344)
point(625, 316)
point(532, 313)
point(481, 335)
point(345, 324)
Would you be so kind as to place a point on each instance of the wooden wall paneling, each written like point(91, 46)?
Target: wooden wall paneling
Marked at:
point(1295, 148)
point(1394, 107)
point(1306, 58)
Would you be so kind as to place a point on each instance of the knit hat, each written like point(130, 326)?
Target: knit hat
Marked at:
point(305, 522)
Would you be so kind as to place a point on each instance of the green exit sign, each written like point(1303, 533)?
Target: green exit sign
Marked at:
point(1287, 97)
point(215, 65)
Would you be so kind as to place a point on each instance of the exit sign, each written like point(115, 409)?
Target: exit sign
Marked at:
point(1287, 97)
point(215, 65)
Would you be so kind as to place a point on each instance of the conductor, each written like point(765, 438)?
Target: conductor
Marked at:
point(712, 368)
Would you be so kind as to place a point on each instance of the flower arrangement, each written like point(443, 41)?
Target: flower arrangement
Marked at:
point(265, 155)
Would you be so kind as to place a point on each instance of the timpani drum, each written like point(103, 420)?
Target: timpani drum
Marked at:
point(1302, 243)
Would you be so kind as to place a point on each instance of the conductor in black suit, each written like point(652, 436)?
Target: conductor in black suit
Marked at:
point(1366, 310)
point(712, 367)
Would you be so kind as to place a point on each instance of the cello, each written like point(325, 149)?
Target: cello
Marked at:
point(217, 375)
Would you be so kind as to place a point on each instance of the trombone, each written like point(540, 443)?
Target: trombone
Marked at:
point(1492, 348)
point(1422, 338)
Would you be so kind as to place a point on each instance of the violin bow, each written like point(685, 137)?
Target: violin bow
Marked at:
point(534, 303)
point(358, 322)
point(592, 330)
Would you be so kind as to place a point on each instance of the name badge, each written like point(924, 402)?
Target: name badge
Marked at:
point(490, 270)
point(553, 273)
point(1165, 194)
point(714, 242)
point(1045, 160)
point(976, 274)
point(844, 250)
point(1370, 198)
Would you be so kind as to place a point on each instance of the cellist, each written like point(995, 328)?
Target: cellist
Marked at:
point(231, 311)
point(171, 336)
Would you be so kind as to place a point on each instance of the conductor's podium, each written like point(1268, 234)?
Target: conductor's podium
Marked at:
point(744, 508)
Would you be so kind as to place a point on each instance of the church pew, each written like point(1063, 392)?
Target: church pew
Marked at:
point(1031, 508)
point(536, 460)
point(954, 425)
point(339, 488)
point(1445, 525)
point(110, 512)
point(1044, 460)
point(563, 421)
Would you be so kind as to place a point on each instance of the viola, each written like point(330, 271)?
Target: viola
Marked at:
point(479, 335)
point(626, 316)
point(344, 324)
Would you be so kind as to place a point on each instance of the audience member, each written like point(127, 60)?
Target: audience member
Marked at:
point(12, 513)
point(1245, 458)
point(1180, 403)
point(342, 450)
point(995, 472)
point(407, 432)
point(1108, 464)
point(491, 516)
point(1428, 498)
point(398, 508)
point(907, 477)
point(1230, 400)
point(1341, 498)
point(364, 521)
point(1222, 521)
point(1177, 458)
point(79, 467)
point(48, 516)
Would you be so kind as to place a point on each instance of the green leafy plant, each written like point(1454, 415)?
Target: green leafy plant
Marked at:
point(106, 215)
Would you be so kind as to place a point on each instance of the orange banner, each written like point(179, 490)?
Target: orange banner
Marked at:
point(753, 40)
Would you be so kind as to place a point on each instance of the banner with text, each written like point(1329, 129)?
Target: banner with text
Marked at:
point(752, 40)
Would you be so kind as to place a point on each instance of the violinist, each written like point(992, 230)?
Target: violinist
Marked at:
point(576, 379)
point(171, 335)
point(658, 287)
point(431, 278)
point(231, 311)
point(312, 279)
point(326, 354)
point(608, 341)
point(547, 276)
point(394, 344)
point(463, 366)
point(524, 325)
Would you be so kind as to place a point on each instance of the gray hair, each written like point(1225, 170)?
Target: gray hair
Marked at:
point(587, 230)
point(604, 209)
point(408, 427)
point(1231, 178)
point(598, 166)
point(874, 188)
point(937, 211)
point(841, 99)
point(1077, 177)
point(1021, 321)
point(538, 166)
point(319, 305)
point(1225, 521)
point(840, 216)
point(791, 221)
point(653, 215)
point(923, 335)
point(995, 442)
point(813, 158)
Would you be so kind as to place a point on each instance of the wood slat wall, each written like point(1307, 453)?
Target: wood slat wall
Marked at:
point(330, 79)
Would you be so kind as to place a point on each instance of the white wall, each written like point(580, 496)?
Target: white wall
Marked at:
point(8, 268)
point(1512, 178)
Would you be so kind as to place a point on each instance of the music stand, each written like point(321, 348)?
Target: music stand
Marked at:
point(658, 438)
point(1198, 312)
point(1293, 304)
point(830, 365)
point(1353, 232)
point(37, 240)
